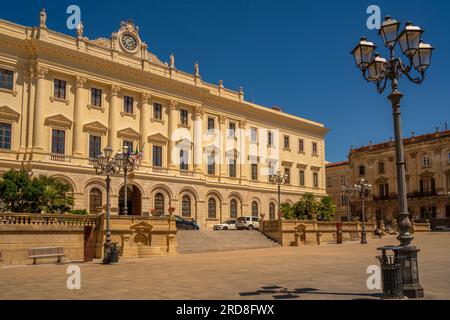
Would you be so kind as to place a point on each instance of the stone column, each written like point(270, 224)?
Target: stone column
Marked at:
point(223, 147)
point(145, 127)
point(198, 139)
point(243, 163)
point(114, 114)
point(39, 114)
point(173, 121)
point(78, 139)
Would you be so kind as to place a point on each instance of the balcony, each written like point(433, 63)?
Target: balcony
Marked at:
point(390, 197)
point(159, 170)
point(418, 194)
point(60, 158)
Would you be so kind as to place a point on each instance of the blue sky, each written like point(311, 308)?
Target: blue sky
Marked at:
point(293, 54)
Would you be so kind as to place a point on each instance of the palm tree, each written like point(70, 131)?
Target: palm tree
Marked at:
point(308, 205)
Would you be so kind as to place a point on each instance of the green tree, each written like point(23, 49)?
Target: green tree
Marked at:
point(15, 190)
point(288, 211)
point(20, 193)
point(327, 208)
point(307, 206)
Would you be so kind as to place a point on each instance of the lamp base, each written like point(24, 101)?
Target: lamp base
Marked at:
point(412, 288)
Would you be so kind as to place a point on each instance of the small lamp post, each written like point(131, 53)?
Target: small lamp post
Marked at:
point(278, 179)
point(128, 167)
point(108, 165)
point(380, 71)
point(347, 191)
point(363, 188)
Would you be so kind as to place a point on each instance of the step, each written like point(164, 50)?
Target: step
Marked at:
point(217, 241)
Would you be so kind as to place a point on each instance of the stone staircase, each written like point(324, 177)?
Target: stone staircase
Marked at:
point(217, 241)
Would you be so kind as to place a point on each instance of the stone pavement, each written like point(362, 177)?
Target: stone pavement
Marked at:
point(312, 272)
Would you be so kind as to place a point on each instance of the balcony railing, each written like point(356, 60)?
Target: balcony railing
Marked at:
point(160, 170)
point(419, 194)
point(60, 158)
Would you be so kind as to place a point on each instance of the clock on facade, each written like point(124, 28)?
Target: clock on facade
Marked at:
point(129, 42)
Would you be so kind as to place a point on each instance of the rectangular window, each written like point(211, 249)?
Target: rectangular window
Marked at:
point(184, 117)
point(286, 143)
point(426, 161)
point(5, 136)
point(6, 79)
point(232, 168)
point(343, 200)
point(302, 178)
point(448, 160)
point(58, 141)
point(301, 145)
point(96, 97)
point(427, 186)
point(60, 89)
point(329, 184)
point(380, 167)
point(253, 135)
point(157, 156)
point(383, 190)
point(314, 149)
point(316, 179)
point(270, 138)
point(157, 111)
point(211, 165)
point(343, 182)
point(448, 183)
point(447, 211)
point(129, 145)
point(362, 171)
point(232, 129)
point(287, 175)
point(184, 163)
point(95, 146)
point(128, 104)
point(254, 169)
point(211, 124)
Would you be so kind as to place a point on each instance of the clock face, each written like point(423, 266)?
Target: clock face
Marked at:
point(129, 42)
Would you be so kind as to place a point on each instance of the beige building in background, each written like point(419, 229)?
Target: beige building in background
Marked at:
point(205, 150)
point(427, 175)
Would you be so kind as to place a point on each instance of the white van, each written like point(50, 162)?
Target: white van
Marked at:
point(247, 223)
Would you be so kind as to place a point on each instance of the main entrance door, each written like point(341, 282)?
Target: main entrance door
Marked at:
point(133, 201)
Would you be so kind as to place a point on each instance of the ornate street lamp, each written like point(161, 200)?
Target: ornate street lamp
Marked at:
point(278, 179)
point(128, 167)
point(380, 72)
point(347, 191)
point(363, 188)
point(108, 165)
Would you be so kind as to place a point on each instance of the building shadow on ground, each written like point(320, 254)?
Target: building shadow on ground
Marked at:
point(278, 293)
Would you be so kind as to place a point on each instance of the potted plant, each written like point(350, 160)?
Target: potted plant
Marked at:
point(171, 210)
point(153, 211)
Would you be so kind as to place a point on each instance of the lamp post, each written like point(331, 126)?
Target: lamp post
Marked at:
point(380, 71)
point(278, 179)
point(347, 192)
point(363, 188)
point(108, 165)
point(128, 166)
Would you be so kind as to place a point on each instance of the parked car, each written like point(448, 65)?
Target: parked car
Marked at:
point(184, 224)
point(227, 225)
point(247, 223)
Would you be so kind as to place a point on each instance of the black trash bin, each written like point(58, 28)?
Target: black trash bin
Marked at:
point(114, 253)
point(392, 275)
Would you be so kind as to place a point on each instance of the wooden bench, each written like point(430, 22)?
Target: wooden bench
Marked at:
point(50, 252)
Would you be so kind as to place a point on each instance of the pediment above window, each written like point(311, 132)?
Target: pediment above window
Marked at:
point(95, 127)
point(381, 180)
point(184, 143)
point(287, 163)
point(141, 226)
point(157, 138)
point(233, 153)
point(58, 121)
point(128, 133)
point(316, 168)
point(302, 165)
point(8, 115)
point(211, 149)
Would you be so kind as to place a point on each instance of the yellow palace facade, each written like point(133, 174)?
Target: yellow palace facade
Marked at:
point(206, 152)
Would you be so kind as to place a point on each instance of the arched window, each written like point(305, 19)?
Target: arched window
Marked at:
point(255, 209)
point(272, 211)
point(212, 207)
point(159, 204)
point(186, 206)
point(95, 201)
point(233, 209)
